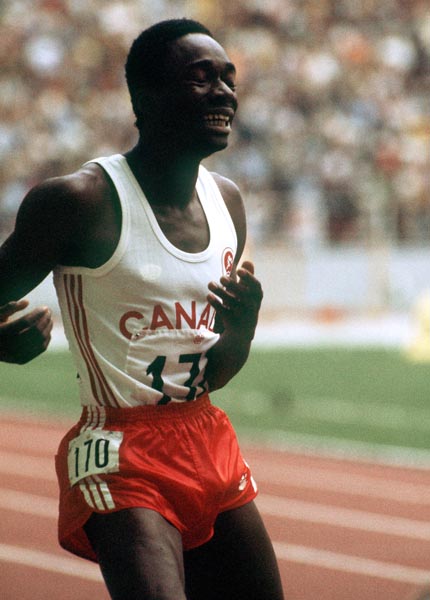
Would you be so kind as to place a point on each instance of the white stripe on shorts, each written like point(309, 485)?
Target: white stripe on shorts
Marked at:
point(97, 494)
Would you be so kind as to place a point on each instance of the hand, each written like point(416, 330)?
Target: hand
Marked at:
point(238, 300)
point(24, 338)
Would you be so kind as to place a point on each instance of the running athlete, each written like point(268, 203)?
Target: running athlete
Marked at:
point(153, 485)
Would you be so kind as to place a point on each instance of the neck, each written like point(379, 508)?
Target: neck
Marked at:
point(165, 177)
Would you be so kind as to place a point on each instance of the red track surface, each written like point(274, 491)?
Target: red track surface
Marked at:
point(342, 530)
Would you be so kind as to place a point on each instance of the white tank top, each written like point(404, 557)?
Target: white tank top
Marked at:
point(139, 326)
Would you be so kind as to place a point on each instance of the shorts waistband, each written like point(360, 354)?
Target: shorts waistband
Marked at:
point(101, 416)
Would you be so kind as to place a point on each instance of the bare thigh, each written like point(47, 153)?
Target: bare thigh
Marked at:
point(238, 563)
point(140, 554)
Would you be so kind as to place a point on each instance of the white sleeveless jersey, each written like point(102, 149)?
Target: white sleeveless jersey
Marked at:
point(139, 326)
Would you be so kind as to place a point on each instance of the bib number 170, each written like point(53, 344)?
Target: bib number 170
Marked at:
point(92, 453)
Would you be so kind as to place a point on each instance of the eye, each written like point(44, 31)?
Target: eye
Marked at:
point(229, 78)
point(198, 76)
point(200, 81)
point(231, 84)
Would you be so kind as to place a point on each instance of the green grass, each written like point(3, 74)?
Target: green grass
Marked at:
point(46, 385)
point(368, 395)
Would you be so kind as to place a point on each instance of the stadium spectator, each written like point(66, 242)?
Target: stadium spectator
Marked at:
point(334, 99)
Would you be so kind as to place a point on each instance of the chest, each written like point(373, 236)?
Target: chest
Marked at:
point(187, 229)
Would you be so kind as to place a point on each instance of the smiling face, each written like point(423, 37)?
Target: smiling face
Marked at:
point(197, 103)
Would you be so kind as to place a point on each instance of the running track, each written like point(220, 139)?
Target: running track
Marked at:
point(342, 530)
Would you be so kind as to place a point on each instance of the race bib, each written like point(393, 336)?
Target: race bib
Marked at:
point(93, 452)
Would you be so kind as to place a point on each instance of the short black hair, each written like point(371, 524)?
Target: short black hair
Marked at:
point(144, 67)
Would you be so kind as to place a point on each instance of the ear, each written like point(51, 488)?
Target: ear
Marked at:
point(145, 107)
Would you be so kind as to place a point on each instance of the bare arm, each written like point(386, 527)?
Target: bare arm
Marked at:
point(237, 300)
point(45, 224)
point(27, 256)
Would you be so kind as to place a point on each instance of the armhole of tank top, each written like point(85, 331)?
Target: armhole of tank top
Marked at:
point(208, 181)
point(108, 167)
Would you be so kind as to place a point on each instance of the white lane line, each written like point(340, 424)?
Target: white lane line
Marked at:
point(341, 483)
point(48, 561)
point(313, 557)
point(13, 463)
point(47, 507)
point(22, 436)
point(29, 504)
point(355, 565)
point(313, 512)
point(291, 441)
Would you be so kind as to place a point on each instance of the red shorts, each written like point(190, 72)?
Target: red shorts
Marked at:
point(181, 460)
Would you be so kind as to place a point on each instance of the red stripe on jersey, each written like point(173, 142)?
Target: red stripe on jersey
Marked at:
point(74, 319)
point(108, 395)
point(99, 386)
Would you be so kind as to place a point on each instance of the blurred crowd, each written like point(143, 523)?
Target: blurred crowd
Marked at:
point(331, 143)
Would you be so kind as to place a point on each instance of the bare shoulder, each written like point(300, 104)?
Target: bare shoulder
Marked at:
point(234, 202)
point(80, 191)
point(62, 215)
point(229, 190)
point(232, 197)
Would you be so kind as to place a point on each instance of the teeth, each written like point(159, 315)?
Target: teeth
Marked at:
point(216, 119)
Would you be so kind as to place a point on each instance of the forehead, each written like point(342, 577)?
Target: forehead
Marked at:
point(197, 47)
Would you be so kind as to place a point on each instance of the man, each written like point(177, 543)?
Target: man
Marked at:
point(152, 483)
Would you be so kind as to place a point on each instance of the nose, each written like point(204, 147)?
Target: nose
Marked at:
point(221, 87)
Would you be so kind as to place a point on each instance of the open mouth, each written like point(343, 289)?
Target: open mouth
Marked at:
point(218, 120)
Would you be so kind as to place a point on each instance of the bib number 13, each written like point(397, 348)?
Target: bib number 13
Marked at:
point(156, 369)
point(92, 453)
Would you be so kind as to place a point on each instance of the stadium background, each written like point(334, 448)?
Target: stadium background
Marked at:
point(331, 149)
point(330, 145)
